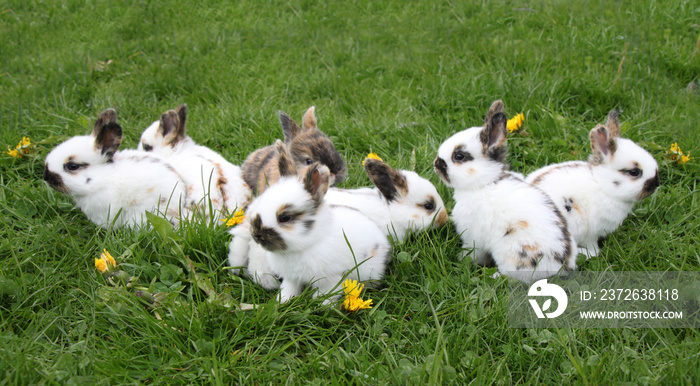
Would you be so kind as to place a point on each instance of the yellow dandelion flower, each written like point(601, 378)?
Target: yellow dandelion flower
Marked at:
point(356, 304)
point(515, 123)
point(105, 263)
point(108, 258)
point(101, 265)
point(371, 156)
point(23, 147)
point(236, 219)
point(352, 301)
point(677, 154)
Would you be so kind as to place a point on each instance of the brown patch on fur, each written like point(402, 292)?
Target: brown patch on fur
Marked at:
point(260, 168)
point(442, 218)
point(108, 139)
point(496, 107)
point(570, 204)
point(522, 224)
point(54, 180)
point(221, 183)
point(613, 124)
point(105, 117)
point(315, 145)
point(316, 182)
point(493, 138)
point(529, 256)
point(532, 248)
point(268, 238)
point(602, 144)
point(440, 167)
point(284, 211)
point(390, 182)
point(172, 125)
point(344, 207)
point(461, 155)
point(285, 163)
point(565, 237)
point(649, 187)
point(290, 129)
point(308, 121)
point(542, 176)
point(150, 190)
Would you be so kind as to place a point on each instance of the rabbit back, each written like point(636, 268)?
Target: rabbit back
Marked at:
point(515, 226)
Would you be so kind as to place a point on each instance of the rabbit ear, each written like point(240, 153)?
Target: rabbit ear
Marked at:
point(390, 182)
point(309, 119)
point(172, 125)
point(496, 107)
point(285, 162)
point(105, 117)
point(602, 144)
point(493, 137)
point(290, 129)
point(613, 124)
point(108, 139)
point(182, 115)
point(316, 181)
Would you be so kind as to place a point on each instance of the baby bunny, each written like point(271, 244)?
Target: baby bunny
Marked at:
point(108, 185)
point(504, 219)
point(596, 196)
point(401, 200)
point(309, 242)
point(210, 178)
point(306, 144)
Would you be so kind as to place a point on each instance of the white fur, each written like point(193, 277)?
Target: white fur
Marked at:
point(595, 199)
point(399, 216)
point(501, 216)
point(133, 182)
point(202, 169)
point(319, 256)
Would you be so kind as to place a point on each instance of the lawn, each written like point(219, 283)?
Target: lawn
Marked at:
point(392, 77)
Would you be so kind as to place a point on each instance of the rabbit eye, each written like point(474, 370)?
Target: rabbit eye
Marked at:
point(309, 161)
point(147, 147)
point(429, 205)
point(72, 166)
point(636, 172)
point(460, 156)
point(284, 218)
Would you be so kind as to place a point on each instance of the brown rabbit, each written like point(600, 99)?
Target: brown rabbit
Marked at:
point(307, 145)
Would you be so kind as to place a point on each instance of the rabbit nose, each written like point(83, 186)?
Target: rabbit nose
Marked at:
point(649, 186)
point(54, 180)
point(441, 168)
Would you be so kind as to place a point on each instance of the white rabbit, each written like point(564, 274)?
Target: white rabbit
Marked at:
point(210, 178)
point(504, 219)
point(596, 196)
point(309, 242)
point(401, 200)
point(104, 182)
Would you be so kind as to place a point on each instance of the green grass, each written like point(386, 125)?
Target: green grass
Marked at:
point(392, 77)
